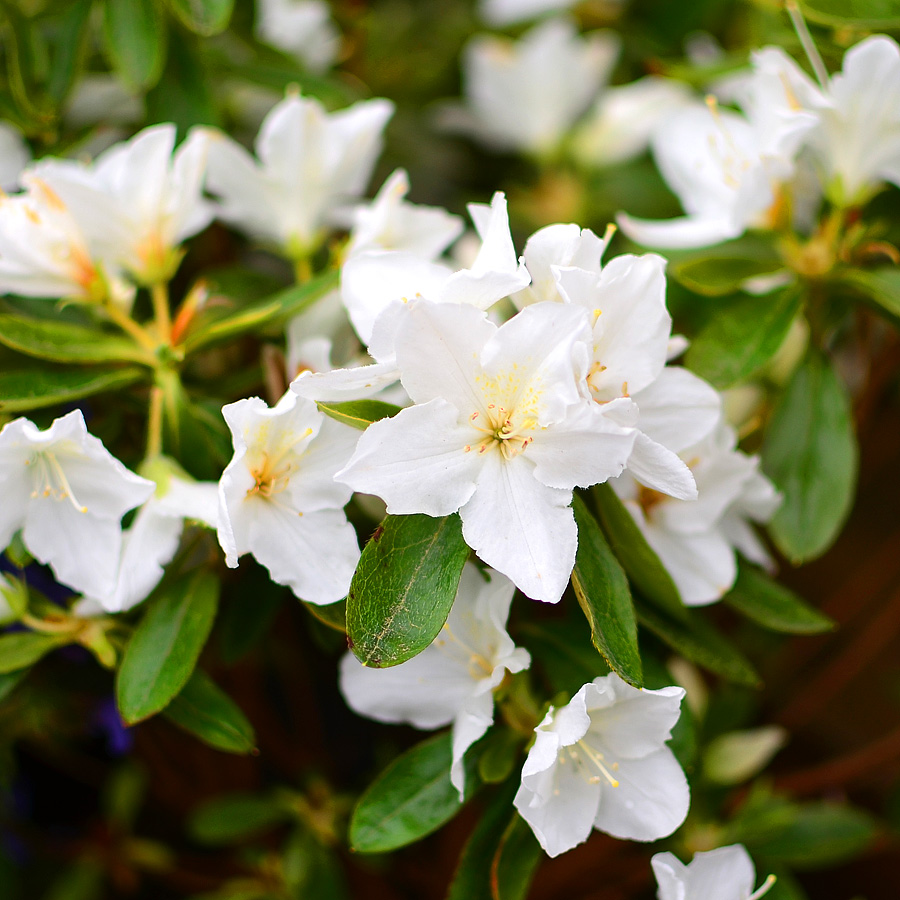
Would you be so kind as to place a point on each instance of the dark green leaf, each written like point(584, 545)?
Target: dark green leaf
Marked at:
point(810, 453)
point(695, 639)
point(861, 14)
point(410, 799)
point(312, 871)
point(272, 311)
point(334, 615)
point(208, 713)
point(601, 587)
point(65, 342)
point(205, 17)
point(234, 817)
point(499, 755)
point(71, 30)
point(515, 862)
point(774, 606)
point(644, 569)
point(164, 648)
point(359, 413)
point(9, 681)
point(880, 285)
point(34, 388)
point(248, 615)
point(718, 276)
point(135, 40)
point(24, 648)
point(564, 651)
point(742, 336)
point(404, 586)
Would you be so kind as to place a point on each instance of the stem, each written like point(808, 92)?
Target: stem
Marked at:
point(128, 325)
point(159, 294)
point(46, 626)
point(809, 45)
point(302, 269)
point(155, 423)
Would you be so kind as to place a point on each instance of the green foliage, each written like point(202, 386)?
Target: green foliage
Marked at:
point(862, 14)
point(26, 389)
point(134, 34)
point(231, 818)
point(205, 17)
point(403, 587)
point(21, 649)
point(359, 413)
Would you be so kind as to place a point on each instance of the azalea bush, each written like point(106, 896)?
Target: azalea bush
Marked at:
point(417, 418)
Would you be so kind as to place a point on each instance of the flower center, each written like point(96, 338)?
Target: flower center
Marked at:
point(50, 480)
point(272, 473)
point(503, 428)
point(588, 760)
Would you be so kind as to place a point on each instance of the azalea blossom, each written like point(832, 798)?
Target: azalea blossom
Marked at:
point(726, 873)
point(452, 680)
point(526, 95)
point(602, 762)
point(302, 28)
point(68, 495)
point(308, 163)
point(507, 12)
point(14, 156)
point(278, 498)
point(696, 540)
point(500, 431)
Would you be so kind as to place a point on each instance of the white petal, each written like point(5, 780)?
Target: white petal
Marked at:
point(660, 469)
point(702, 566)
point(681, 233)
point(346, 384)
point(726, 873)
point(471, 723)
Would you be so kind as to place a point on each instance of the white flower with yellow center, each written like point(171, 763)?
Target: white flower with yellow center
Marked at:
point(500, 431)
point(68, 494)
point(602, 762)
point(278, 498)
point(726, 873)
point(452, 680)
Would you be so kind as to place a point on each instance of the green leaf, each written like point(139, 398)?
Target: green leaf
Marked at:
point(248, 615)
point(205, 17)
point(411, 798)
point(334, 615)
point(516, 861)
point(810, 453)
point(695, 639)
point(861, 14)
point(404, 586)
point(65, 342)
point(772, 605)
point(601, 587)
point(35, 388)
point(9, 681)
point(312, 870)
point(71, 30)
point(644, 569)
point(359, 413)
point(564, 652)
point(880, 285)
point(234, 817)
point(164, 648)
point(135, 40)
point(270, 312)
point(499, 755)
point(204, 710)
point(24, 648)
point(718, 276)
point(742, 336)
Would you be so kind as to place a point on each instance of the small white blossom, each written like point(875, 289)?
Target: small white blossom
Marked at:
point(602, 762)
point(14, 156)
point(302, 28)
point(279, 501)
point(68, 494)
point(726, 873)
point(507, 12)
point(452, 680)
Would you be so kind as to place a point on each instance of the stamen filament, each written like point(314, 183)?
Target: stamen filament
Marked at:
point(597, 760)
point(764, 888)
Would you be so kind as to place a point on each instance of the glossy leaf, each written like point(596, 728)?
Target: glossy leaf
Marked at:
point(879, 285)
point(810, 453)
point(517, 858)
point(718, 276)
point(204, 710)
point(638, 559)
point(164, 648)
point(601, 587)
point(404, 586)
point(135, 40)
point(742, 336)
point(205, 17)
point(35, 388)
point(865, 14)
point(334, 615)
point(774, 606)
point(359, 413)
point(24, 648)
point(410, 799)
point(234, 817)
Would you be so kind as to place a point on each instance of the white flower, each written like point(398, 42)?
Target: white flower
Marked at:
point(507, 12)
point(453, 679)
point(279, 501)
point(696, 540)
point(726, 873)
point(68, 494)
point(302, 28)
point(14, 156)
point(390, 223)
point(137, 200)
point(499, 431)
point(526, 95)
point(309, 162)
point(602, 762)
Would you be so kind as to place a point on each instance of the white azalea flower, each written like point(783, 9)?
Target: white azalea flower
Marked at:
point(696, 540)
point(309, 162)
point(500, 431)
point(137, 200)
point(390, 223)
point(726, 873)
point(68, 494)
point(302, 28)
point(602, 762)
point(14, 156)
point(278, 498)
point(452, 680)
point(526, 95)
point(508, 12)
